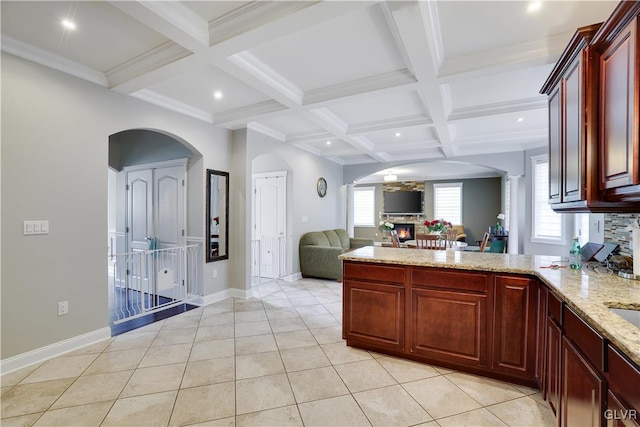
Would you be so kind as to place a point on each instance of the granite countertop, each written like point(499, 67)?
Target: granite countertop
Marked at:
point(588, 293)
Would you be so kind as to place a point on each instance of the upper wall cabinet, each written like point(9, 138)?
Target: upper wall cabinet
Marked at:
point(593, 118)
point(619, 92)
point(572, 101)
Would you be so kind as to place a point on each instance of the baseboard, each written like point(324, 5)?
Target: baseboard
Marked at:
point(222, 295)
point(53, 350)
point(292, 277)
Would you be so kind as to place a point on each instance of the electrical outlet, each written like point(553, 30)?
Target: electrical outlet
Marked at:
point(63, 308)
point(214, 273)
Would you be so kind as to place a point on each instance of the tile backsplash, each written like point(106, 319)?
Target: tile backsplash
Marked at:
point(614, 230)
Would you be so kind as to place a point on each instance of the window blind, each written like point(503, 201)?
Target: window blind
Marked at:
point(447, 202)
point(547, 223)
point(364, 206)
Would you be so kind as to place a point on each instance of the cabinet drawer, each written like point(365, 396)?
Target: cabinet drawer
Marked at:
point(585, 337)
point(448, 279)
point(380, 273)
point(554, 308)
point(624, 378)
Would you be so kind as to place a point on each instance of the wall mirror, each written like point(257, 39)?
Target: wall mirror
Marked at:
point(217, 223)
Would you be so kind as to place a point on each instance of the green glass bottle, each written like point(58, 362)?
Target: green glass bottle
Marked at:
point(575, 255)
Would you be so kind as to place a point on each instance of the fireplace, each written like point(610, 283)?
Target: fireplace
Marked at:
point(405, 231)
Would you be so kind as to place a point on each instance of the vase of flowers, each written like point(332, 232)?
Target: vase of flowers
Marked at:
point(499, 229)
point(386, 227)
point(438, 226)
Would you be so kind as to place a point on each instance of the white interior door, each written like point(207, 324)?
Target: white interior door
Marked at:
point(270, 223)
point(156, 208)
point(139, 209)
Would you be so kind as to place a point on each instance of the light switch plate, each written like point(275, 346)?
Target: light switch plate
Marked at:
point(31, 228)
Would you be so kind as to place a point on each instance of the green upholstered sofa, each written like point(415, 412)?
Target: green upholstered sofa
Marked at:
point(319, 252)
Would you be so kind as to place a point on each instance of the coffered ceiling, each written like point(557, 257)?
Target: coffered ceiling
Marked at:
point(355, 82)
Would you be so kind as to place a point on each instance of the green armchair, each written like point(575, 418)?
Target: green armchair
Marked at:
point(319, 251)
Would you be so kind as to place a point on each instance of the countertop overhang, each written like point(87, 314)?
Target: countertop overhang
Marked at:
point(588, 293)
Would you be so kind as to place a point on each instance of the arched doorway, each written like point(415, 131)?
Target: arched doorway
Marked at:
point(153, 267)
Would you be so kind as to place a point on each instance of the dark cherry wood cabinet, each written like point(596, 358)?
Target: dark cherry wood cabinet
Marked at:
point(515, 315)
point(572, 144)
point(449, 325)
point(620, 97)
point(541, 337)
point(594, 117)
point(553, 366)
point(582, 390)
point(375, 313)
point(623, 398)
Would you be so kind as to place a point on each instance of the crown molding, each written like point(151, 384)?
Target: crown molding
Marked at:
point(541, 52)
point(310, 136)
point(265, 130)
point(170, 18)
point(160, 56)
point(367, 85)
point(463, 113)
point(308, 149)
point(260, 70)
point(429, 12)
point(384, 124)
point(336, 160)
point(240, 114)
point(171, 104)
point(523, 136)
point(329, 120)
point(395, 33)
point(361, 142)
point(250, 16)
point(380, 156)
point(48, 59)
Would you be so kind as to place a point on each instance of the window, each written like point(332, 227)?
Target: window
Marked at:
point(364, 206)
point(547, 224)
point(447, 202)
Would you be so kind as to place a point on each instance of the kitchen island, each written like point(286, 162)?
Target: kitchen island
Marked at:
point(509, 317)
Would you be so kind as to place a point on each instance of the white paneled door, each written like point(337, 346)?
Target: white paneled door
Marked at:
point(270, 223)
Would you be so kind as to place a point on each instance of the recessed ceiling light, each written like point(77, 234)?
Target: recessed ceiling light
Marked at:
point(520, 119)
point(328, 142)
point(398, 134)
point(390, 178)
point(217, 94)
point(534, 6)
point(69, 25)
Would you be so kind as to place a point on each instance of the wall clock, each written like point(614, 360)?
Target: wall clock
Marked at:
point(322, 187)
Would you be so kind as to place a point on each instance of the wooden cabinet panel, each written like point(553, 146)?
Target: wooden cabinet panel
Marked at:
point(553, 366)
point(624, 378)
point(573, 158)
point(374, 314)
point(450, 326)
point(514, 338)
point(541, 337)
point(555, 308)
point(585, 337)
point(375, 272)
point(618, 415)
point(555, 147)
point(582, 390)
point(619, 116)
point(447, 279)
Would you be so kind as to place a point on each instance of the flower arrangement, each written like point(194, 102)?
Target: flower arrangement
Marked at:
point(438, 225)
point(385, 226)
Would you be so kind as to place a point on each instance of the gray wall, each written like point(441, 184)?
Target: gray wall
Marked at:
point(55, 134)
point(481, 203)
point(141, 146)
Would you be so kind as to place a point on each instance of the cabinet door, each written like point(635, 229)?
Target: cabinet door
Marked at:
point(618, 415)
point(541, 337)
point(450, 326)
point(555, 144)
point(582, 390)
point(552, 377)
point(514, 337)
point(619, 115)
point(573, 159)
point(374, 314)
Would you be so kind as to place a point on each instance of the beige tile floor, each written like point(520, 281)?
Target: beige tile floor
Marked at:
point(275, 360)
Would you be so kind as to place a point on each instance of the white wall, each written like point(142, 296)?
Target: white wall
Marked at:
point(302, 198)
point(55, 133)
